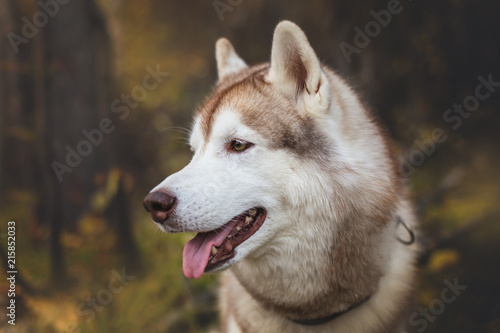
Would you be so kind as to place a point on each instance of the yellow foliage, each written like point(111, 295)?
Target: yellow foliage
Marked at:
point(91, 225)
point(426, 296)
point(59, 313)
point(471, 202)
point(71, 241)
point(443, 258)
point(103, 196)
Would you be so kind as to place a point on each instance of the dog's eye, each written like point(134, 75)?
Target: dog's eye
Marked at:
point(240, 145)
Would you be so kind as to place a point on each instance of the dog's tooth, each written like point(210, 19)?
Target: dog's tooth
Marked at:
point(214, 250)
point(252, 212)
point(238, 228)
point(248, 219)
point(229, 236)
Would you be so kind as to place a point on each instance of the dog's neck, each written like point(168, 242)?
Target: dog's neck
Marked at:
point(316, 277)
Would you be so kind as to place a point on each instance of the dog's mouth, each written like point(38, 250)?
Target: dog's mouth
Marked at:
point(210, 250)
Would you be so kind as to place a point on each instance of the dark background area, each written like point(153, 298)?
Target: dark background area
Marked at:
point(65, 67)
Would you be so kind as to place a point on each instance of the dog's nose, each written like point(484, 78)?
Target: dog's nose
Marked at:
point(160, 205)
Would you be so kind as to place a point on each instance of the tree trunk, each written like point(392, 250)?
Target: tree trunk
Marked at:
point(12, 152)
point(79, 90)
point(119, 216)
point(77, 99)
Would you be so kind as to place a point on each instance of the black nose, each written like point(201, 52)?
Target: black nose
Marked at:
point(160, 205)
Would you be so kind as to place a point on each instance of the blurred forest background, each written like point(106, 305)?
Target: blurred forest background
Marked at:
point(81, 227)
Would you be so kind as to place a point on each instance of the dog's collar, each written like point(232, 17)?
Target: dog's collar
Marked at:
point(324, 320)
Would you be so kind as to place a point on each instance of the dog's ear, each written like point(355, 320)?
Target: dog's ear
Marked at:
point(228, 61)
point(296, 70)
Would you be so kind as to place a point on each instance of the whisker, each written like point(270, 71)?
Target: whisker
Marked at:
point(186, 133)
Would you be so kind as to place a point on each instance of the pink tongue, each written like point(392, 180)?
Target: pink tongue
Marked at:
point(197, 251)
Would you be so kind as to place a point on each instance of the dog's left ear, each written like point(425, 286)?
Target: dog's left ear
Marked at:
point(296, 70)
point(228, 61)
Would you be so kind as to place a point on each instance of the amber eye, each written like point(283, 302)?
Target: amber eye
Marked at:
point(239, 145)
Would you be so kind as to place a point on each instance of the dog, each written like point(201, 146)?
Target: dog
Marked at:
point(295, 193)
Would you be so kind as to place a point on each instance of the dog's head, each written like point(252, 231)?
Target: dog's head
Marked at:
point(261, 146)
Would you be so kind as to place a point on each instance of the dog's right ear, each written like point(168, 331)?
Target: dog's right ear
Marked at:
point(228, 61)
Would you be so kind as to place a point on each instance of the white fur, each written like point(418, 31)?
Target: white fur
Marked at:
point(215, 186)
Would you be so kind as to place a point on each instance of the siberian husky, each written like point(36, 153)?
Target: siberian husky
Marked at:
point(294, 193)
